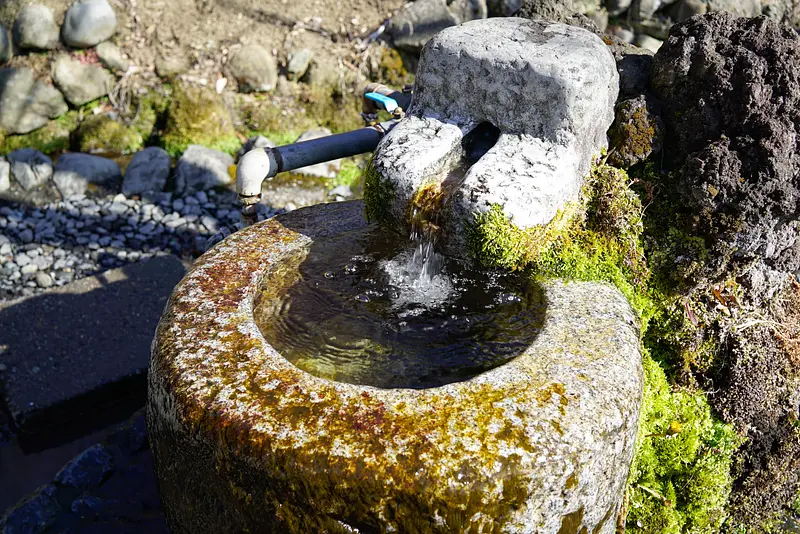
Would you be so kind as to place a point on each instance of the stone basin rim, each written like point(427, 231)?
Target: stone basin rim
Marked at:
point(255, 282)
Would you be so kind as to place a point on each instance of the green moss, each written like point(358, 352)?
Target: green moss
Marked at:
point(198, 116)
point(378, 195)
point(150, 111)
point(635, 139)
point(392, 70)
point(52, 137)
point(679, 482)
point(101, 133)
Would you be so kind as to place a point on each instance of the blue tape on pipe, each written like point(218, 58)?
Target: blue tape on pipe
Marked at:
point(388, 103)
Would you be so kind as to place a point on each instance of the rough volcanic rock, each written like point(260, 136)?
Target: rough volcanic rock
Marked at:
point(27, 104)
point(79, 82)
point(88, 22)
point(731, 93)
point(36, 28)
point(566, 12)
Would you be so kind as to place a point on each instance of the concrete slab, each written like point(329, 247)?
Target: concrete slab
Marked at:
point(76, 357)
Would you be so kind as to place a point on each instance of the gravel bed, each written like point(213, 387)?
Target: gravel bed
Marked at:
point(52, 245)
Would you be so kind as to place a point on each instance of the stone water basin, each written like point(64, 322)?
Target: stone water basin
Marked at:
point(244, 440)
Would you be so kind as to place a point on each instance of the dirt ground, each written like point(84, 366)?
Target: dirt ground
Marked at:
point(208, 32)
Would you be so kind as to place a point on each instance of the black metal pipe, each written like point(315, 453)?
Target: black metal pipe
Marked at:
point(313, 151)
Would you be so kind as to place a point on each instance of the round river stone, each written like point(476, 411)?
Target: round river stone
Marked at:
point(244, 441)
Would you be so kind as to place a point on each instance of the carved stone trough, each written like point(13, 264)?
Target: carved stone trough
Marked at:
point(246, 442)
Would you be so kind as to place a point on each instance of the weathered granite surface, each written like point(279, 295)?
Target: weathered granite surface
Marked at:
point(549, 88)
point(245, 441)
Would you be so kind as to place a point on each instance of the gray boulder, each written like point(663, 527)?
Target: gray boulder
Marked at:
point(171, 64)
point(27, 104)
point(36, 28)
point(298, 64)
point(74, 172)
point(731, 93)
point(685, 9)
point(254, 68)
point(30, 168)
point(88, 22)
point(111, 56)
point(648, 43)
point(539, 102)
point(328, 169)
point(81, 83)
point(5, 175)
point(6, 50)
point(783, 11)
point(257, 141)
point(201, 168)
point(147, 172)
point(741, 8)
point(416, 23)
point(570, 12)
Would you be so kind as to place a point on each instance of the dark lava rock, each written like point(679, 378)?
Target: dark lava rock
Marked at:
point(633, 66)
point(731, 93)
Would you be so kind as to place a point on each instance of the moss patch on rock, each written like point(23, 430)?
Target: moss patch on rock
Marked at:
point(52, 137)
point(378, 196)
point(198, 116)
point(101, 133)
point(680, 477)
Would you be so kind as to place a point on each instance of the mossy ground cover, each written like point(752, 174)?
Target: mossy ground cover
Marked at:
point(198, 116)
point(681, 474)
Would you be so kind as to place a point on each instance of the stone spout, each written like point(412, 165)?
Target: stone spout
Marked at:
point(548, 91)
